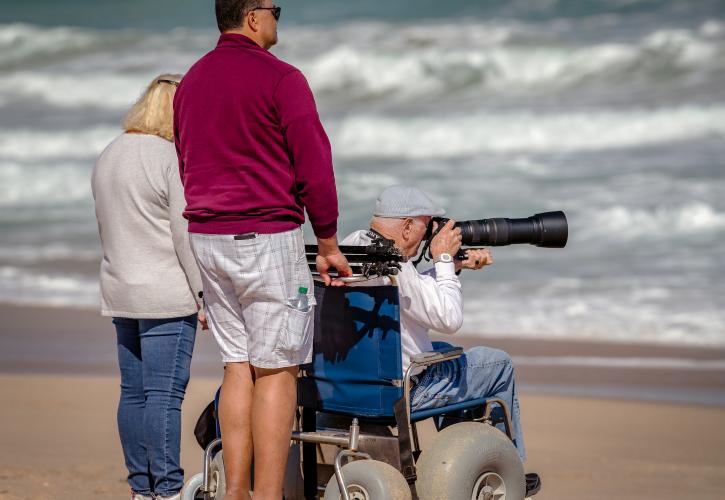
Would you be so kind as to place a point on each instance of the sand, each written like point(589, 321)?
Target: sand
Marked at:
point(58, 440)
point(59, 390)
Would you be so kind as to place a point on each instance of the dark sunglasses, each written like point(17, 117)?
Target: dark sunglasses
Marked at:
point(276, 11)
point(170, 82)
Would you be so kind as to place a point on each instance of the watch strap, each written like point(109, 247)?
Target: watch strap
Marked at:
point(441, 258)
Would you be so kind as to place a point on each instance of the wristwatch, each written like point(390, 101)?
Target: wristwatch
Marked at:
point(444, 257)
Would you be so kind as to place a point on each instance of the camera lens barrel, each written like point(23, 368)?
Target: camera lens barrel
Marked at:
point(548, 229)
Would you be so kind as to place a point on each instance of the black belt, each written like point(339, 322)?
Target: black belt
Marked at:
point(245, 236)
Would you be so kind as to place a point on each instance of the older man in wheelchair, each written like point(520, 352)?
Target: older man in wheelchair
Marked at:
point(376, 374)
point(432, 300)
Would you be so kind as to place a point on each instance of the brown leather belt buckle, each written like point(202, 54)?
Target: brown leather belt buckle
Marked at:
point(245, 236)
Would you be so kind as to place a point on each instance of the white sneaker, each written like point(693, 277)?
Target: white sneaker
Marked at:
point(175, 497)
point(139, 496)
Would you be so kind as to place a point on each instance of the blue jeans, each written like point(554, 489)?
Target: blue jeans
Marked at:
point(481, 372)
point(154, 356)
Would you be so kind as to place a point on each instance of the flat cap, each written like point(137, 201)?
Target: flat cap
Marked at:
point(405, 201)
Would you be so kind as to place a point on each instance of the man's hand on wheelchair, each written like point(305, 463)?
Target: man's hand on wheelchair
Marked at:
point(476, 258)
point(329, 256)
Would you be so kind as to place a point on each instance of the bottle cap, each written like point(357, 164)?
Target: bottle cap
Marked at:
point(303, 290)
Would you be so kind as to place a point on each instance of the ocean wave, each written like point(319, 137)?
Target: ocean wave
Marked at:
point(37, 145)
point(367, 136)
point(629, 223)
point(25, 44)
point(504, 65)
point(49, 167)
point(44, 185)
point(360, 61)
point(70, 67)
point(607, 315)
point(31, 254)
point(633, 362)
point(74, 89)
point(481, 132)
point(21, 286)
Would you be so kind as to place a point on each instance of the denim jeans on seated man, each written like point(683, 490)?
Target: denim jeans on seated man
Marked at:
point(154, 356)
point(481, 372)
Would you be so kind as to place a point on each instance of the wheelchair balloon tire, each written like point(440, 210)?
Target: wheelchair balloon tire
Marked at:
point(470, 461)
point(370, 480)
point(192, 488)
point(217, 484)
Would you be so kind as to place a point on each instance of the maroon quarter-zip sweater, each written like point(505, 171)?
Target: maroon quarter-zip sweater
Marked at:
point(252, 151)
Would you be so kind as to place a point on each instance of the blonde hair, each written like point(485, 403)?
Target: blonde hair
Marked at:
point(153, 113)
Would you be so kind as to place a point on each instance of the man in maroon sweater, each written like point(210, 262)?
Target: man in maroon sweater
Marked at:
point(253, 156)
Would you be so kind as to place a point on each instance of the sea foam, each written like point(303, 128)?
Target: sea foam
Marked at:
point(39, 145)
point(19, 286)
point(433, 68)
point(490, 131)
point(68, 67)
point(671, 222)
point(41, 185)
point(620, 126)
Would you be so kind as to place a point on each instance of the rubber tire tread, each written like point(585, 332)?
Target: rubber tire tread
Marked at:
point(192, 487)
point(217, 463)
point(381, 480)
point(459, 455)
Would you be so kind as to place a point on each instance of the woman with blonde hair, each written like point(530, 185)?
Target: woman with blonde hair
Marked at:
point(150, 286)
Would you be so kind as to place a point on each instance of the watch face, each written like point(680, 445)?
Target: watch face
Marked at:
point(445, 257)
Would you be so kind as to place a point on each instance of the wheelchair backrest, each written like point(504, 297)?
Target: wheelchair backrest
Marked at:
point(357, 367)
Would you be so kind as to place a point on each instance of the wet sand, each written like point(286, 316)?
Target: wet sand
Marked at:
point(59, 389)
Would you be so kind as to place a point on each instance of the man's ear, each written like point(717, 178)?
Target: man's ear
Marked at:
point(251, 21)
point(407, 229)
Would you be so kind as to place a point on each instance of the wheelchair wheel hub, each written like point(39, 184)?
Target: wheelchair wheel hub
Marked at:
point(357, 492)
point(489, 486)
point(213, 484)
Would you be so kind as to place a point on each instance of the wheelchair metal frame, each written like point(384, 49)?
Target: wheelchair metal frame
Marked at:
point(426, 359)
point(208, 455)
point(350, 441)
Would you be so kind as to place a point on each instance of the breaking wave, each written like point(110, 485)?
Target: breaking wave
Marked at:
point(19, 286)
point(500, 61)
point(38, 145)
point(621, 124)
point(661, 222)
point(43, 185)
point(358, 60)
point(481, 132)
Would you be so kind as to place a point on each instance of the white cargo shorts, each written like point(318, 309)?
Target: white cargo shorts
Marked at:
point(249, 284)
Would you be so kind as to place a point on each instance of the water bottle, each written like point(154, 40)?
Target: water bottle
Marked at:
point(300, 302)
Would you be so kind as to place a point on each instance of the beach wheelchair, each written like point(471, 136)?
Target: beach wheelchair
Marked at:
point(356, 435)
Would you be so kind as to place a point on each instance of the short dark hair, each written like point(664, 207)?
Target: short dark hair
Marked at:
point(230, 13)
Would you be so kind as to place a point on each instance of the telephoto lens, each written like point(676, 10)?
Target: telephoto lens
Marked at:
point(548, 230)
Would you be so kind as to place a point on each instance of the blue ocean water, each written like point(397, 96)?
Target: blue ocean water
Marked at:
point(611, 110)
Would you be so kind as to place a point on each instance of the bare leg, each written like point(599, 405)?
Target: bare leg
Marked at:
point(235, 410)
point(273, 411)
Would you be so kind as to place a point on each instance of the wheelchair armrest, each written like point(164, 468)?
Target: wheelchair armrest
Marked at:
point(425, 359)
point(355, 278)
point(432, 357)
